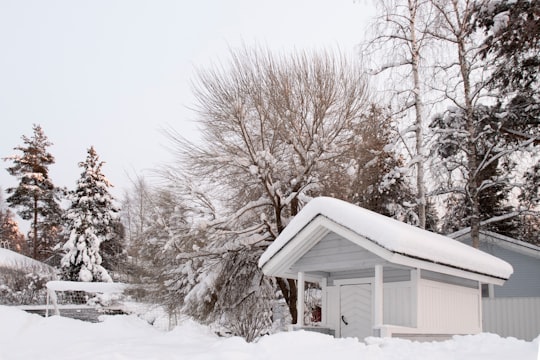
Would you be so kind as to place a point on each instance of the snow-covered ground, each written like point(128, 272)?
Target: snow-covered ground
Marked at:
point(26, 336)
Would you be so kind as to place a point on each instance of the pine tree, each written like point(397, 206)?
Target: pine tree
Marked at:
point(90, 221)
point(530, 198)
point(113, 252)
point(381, 183)
point(512, 44)
point(36, 197)
point(403, 39)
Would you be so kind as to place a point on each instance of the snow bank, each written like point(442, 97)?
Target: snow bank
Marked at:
point(128, 337)
point(392, 235)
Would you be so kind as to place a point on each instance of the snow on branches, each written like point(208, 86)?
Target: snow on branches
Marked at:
point(89, 222)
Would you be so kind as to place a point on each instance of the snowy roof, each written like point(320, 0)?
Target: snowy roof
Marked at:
point(395, 237)
point(15, 260)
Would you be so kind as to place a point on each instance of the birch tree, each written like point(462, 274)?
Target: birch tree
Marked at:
point(495, 174)
point(401, 39)
point(455, 30)
point(478, 125)
point(135, 216)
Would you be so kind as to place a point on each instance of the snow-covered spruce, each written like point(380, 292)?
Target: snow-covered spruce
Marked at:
point(89, 222)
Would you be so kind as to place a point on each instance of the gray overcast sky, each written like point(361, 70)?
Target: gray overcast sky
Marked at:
point(113, 73)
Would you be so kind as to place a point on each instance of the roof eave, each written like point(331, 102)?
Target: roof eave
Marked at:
point(405, 260)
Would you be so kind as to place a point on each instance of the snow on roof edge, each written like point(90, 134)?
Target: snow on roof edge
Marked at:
point(12, 259)
point(392, 235)
point(100, 287)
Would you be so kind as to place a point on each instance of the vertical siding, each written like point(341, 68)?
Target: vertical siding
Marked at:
point(397, 304)
point(448, 308)
point(525, 281)
point(332, 308)
point(518, 317)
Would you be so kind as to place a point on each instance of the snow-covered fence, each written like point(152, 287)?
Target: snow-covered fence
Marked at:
point(78, 296)
point(88, 300)
point(515, 316)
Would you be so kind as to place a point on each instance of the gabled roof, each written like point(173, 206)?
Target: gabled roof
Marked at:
point(393, 241)
point(501, 240)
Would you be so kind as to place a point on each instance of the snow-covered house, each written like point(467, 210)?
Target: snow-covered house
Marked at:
point(380, 276)
point(13, 260)
point(514, 308)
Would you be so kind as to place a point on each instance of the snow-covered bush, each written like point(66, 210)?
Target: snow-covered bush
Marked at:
point(20, 287)
point(237, 296)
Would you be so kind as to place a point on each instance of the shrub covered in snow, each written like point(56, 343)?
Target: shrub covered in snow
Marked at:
point(237, 297)
point(20, 287)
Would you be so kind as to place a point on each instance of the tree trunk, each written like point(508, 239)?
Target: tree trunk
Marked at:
point(288, 289)
point(418, 107)
point(35, 228)
point(472, 162)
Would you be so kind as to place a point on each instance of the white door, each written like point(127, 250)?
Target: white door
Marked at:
point(355, 315)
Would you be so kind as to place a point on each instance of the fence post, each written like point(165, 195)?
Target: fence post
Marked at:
point(51, 294)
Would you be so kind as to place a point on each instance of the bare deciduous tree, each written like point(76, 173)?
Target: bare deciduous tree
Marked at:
point(272, 125)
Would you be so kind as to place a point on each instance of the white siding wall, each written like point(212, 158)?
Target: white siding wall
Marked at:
point(518, 317)
point(398, 304)
point(442, 308)
point(332, 307)
point(446, 308)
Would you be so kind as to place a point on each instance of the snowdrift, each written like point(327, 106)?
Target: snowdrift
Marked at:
point(128, 337)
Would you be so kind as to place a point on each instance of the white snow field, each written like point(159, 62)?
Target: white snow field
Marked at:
point(27, 336)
